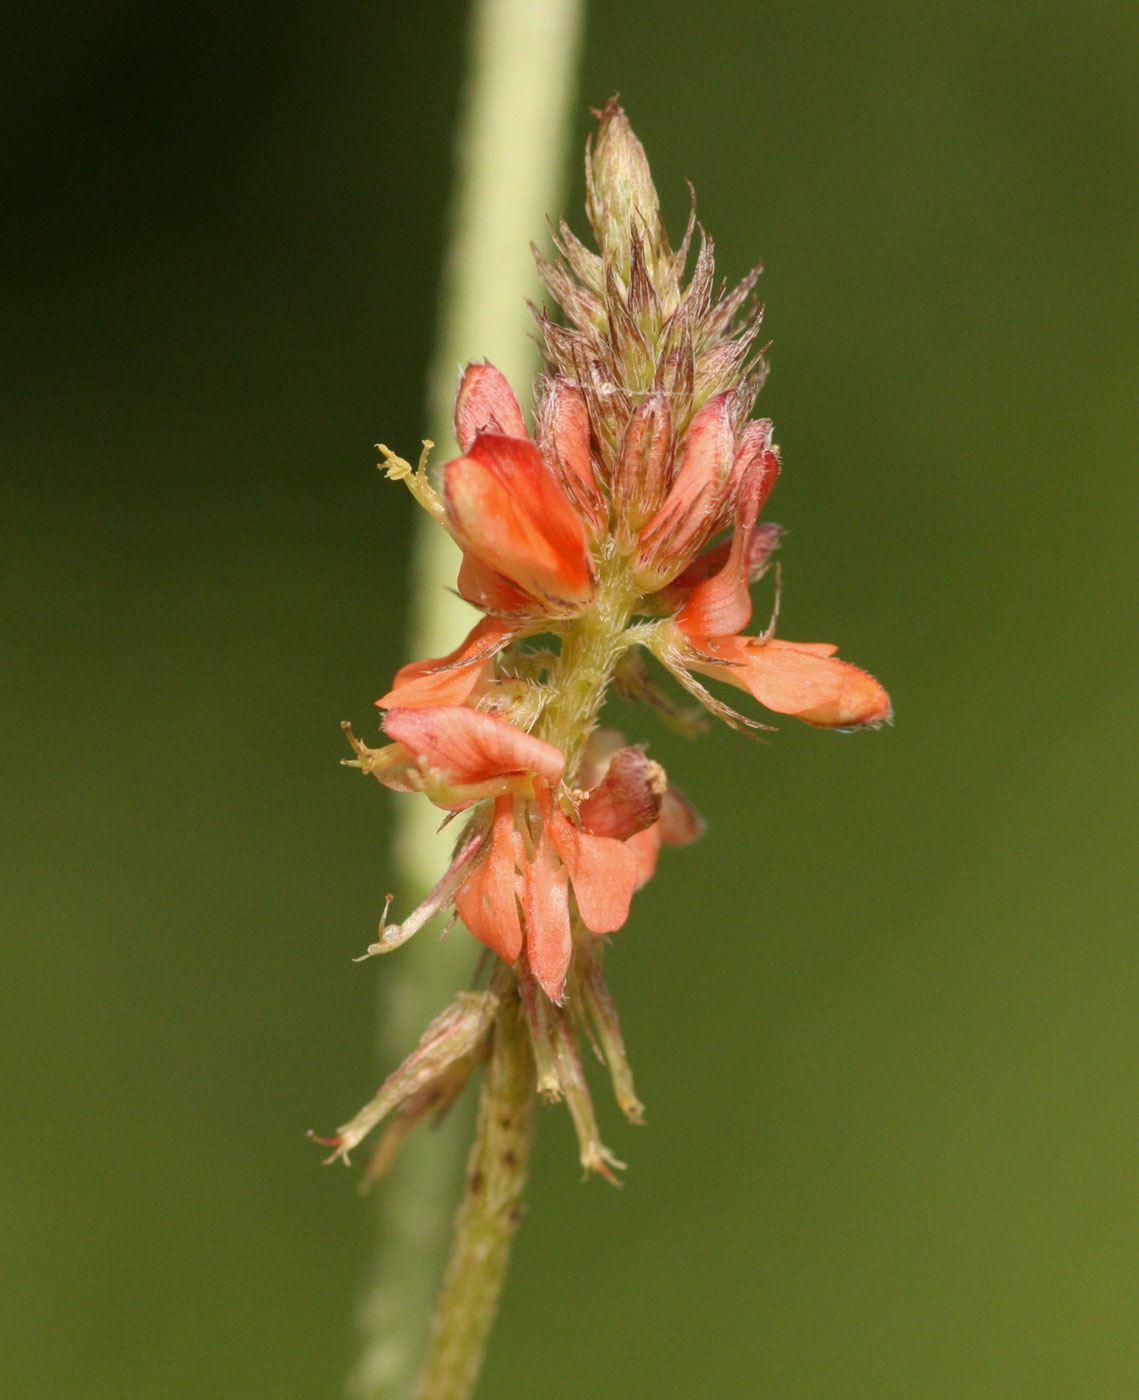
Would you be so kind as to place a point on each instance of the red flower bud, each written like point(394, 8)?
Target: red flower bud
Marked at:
point(696, 498)
point(563, 433)
point(486, 403)
point(640, 477)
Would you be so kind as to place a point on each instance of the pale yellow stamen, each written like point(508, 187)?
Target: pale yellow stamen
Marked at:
point(396, 469)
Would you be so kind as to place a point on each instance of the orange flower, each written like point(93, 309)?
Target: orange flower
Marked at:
point(511, 881)
point(803, 679)
point(525, 546)
point(518, 894)
point(456, 755)
point(601, 526)
point(465, 755)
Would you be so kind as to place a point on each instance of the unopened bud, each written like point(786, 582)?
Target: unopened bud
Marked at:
point(696, 499)
point(563, 433)
point(486, 403)
point(640, 478)
point(756, 456)
point(621, 199)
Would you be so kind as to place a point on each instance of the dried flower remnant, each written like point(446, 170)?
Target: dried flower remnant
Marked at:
point(626, 526)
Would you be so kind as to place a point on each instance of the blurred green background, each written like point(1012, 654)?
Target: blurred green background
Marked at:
point(885, 1017)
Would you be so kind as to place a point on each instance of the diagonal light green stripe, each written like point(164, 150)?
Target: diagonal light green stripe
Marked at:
point(510, 164)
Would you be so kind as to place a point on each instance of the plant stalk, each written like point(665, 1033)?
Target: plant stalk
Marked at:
point(489, 1215)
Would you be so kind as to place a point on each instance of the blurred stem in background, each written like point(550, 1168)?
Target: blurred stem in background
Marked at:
point(511, 156)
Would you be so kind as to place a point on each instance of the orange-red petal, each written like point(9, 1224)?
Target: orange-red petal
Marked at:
point(486, 589)
point(678, 825)
point(507, 509)
point(721, 604)
point(695, 496)
point(763, 543)
point(645, 846)
point(603, 872)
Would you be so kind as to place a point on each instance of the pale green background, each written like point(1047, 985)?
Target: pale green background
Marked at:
point(885, 1017)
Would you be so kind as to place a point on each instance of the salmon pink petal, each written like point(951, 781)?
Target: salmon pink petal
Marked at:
point(486, 404)
point(545, 900)
point(505, 507)
point(424, 683)
point(721, 604)
point(564, 435)
point(645, 846)
point(815, 648)
point(695, 497)
point(468, 747)
point(454, 678)
point(798, 680)
point(603, 872)
point(487, 902)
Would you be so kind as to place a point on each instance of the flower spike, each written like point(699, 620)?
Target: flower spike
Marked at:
point(626, 527)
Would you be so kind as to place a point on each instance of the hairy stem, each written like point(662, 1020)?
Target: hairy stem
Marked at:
point(489, 1215)
point(592, 644)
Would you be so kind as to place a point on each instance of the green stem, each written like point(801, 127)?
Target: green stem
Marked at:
point(489, 1215)
point(592, 644)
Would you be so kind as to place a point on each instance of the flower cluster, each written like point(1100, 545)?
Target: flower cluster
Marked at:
point(625, 527)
